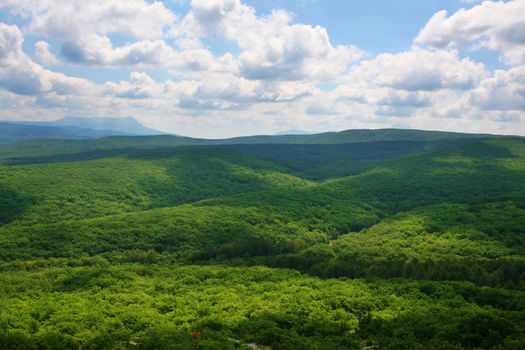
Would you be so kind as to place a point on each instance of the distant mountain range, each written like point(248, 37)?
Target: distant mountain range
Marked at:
point(73, 128)
point(343, 143)
point(127, 126)
point(116, 131)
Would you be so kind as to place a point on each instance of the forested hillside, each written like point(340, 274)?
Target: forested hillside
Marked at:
point(393, 239)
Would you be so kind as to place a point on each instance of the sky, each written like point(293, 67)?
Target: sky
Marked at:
point(221, 68)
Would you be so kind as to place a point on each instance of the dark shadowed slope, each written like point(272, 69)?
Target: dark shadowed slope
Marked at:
point(31, 148)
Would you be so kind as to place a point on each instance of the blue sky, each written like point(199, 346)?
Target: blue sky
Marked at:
point(376, 26)
point(217, 68)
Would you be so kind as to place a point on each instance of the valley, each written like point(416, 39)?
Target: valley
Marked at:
point(381, 239)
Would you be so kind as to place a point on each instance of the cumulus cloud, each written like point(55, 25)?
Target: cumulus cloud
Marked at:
point(276, 49)
point(435, 83)
point(275, 74)
point(222, 91)
point(140, 85)
point(84, 28)
point(192, 61)
point(411, 83)
point(505, 90)
point(419, 70)
point(20, 75)
point(219, 90)
point(44, 55)
point(11, 39)
point(493, 25)
point(272, 47)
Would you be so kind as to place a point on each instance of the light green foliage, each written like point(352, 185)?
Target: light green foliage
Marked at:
point(105, 305)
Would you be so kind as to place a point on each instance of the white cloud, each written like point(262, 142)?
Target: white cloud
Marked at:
point(193, 61)
point(407, 84)
point(224, 91)
point(20, 75)
point(44, 55)
point(276, 74)
point(503, 91)
point(72, 19)
point(219, 90)
point(84, 28)
point(419, 70)
point(272, 47)
point(140, 86)
point(494, 25)
point(432, 85)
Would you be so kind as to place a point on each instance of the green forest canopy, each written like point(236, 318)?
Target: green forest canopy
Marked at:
point(397, 240)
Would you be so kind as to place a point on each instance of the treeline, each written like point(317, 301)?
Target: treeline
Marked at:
point(505, 272)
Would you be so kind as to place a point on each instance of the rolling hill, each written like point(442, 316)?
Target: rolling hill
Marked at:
point(366, 239)
point(59, 146)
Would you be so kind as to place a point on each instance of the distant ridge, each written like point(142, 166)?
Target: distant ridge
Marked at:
point(126, 126)
point(58, 143)
point(73, 128)
point(352, 136)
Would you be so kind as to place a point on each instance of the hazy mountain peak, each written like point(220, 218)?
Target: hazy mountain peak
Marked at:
point(125, 125)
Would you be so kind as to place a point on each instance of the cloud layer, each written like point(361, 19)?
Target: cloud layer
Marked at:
point(272, 72)
point(497, 26)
